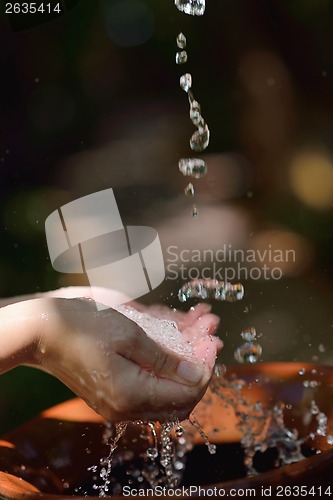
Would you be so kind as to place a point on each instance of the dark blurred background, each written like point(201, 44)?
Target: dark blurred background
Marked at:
point(91, 100)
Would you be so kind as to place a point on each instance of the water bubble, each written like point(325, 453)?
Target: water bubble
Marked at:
point(181, 41)
point(329, 439)
point(193, 167)
point(248, 353)
point(321, 348)
point(200, 139)
point(301, 371)
point(181, 57)
point(186, 82)
point(189, 190)
point(191, 7)
point(249, 334)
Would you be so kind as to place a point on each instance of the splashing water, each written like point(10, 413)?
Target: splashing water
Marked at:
point(211, 289)
point(105, 472)
point(191, 7)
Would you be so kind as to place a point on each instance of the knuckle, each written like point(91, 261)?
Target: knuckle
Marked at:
point(160, 362)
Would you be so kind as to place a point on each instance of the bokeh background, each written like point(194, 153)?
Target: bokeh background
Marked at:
point(91, 100)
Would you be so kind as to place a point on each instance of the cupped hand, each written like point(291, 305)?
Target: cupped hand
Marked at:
point(111, 363)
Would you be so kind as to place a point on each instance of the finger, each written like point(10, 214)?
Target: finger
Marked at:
point(193, 315)
point(203, 326)
point(207, 350)
point(151, 397)
point(130, 341)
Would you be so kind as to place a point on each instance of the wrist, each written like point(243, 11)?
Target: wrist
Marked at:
point(20, 331)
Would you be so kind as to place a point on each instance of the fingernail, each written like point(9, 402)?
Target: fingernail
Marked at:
point(189, 372)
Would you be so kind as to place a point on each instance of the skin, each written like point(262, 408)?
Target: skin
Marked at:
point(106, 358)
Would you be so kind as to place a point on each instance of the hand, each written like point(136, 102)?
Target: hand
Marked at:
point(108, 361)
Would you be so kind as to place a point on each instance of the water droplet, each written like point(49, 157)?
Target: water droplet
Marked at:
point(249, 334)
point(179, 431)
point(151, 453)
point(248, 353)
point(66, 485)
point(186, 82)
point(181, 41)
point(181, 57)
point(200, 139)
point(193, 167)
point(321, 348)
point(302, 371)
point(195, 212)
point(329, 439)
point(189, 190)
point(191, 7)
point(211, 289)
point(195, 112)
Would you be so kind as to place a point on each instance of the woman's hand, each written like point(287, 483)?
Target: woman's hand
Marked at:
point(110, 362)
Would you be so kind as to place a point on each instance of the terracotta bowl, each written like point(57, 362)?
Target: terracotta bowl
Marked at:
point(48, 457)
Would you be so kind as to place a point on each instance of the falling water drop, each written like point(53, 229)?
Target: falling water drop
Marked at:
point(211, 289)
point(191, 7)
point(195, 112)
point(152, 453)
point(195, 212)
point(186, 82)
point(193, 167)
point(249, 334)
point(181, 41)
point(200, 139)
point(248, 353)
point(189, 190)
point(181, 57)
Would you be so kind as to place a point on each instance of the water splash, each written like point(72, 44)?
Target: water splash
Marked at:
point(191, 7)
point(261, 428)
point(211, 289)
point(105, 473)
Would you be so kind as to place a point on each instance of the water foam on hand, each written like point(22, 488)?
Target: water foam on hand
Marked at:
point(163, 332)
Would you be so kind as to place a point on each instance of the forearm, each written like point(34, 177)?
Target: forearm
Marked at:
point(20, 326)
